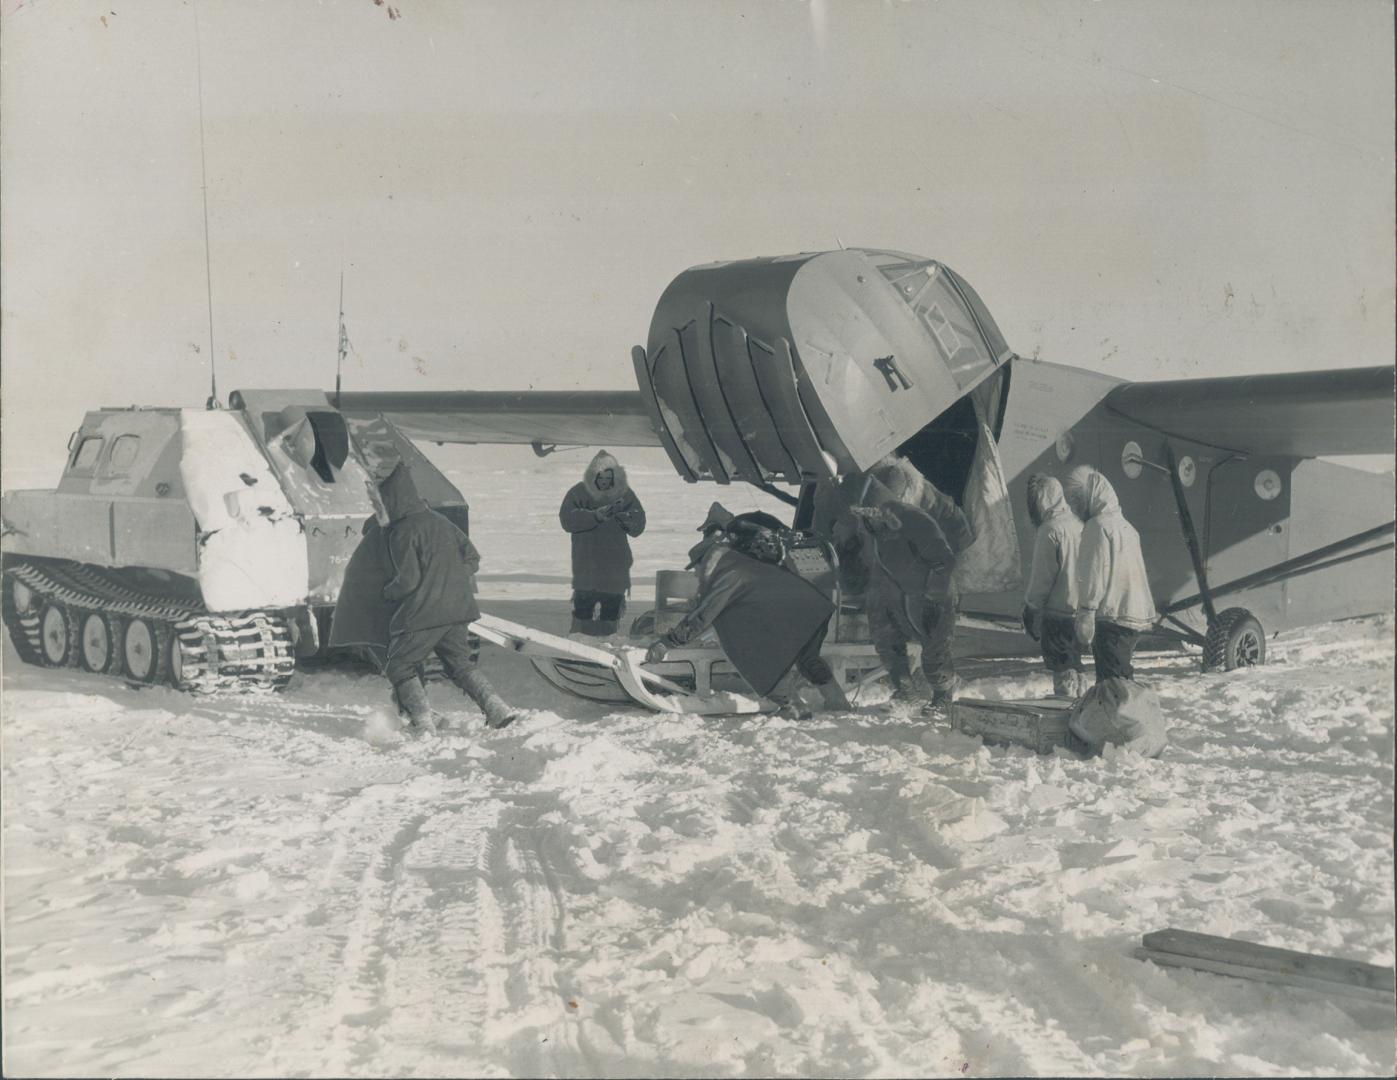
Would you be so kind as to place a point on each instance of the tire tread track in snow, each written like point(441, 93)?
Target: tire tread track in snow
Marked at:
point(538, 998)
point(373, 833)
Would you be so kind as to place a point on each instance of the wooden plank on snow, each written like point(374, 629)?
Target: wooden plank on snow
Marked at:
point(1268, 958)
point(1257, 974)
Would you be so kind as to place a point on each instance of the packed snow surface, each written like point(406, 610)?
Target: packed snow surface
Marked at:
point(285, 885)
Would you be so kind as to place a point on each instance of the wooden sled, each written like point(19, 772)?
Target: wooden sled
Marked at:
point(613, 675)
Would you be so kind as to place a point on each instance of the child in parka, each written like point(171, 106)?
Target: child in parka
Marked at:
point(601, 513)
point(1050, 601)
point(1114, 604)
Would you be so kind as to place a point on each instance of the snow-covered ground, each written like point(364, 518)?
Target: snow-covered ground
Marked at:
point(271, 886)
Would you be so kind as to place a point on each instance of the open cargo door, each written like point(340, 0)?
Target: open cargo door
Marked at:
point(959, 453)
point(992, 563)
point(809, 366)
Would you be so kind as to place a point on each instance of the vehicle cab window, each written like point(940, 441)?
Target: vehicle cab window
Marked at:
point(85, 456)
point(125, 450)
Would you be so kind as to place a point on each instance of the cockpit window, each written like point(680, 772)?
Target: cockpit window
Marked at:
point(925, 287)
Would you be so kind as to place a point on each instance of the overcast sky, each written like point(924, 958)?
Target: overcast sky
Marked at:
point(1151, 190)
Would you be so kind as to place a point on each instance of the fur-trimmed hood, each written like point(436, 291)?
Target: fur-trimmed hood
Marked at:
point(604, 460)
point(900, 477)
point(896, 479)
point(908, 485)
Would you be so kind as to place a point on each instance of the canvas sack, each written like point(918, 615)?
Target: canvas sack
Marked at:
point(1122, 712)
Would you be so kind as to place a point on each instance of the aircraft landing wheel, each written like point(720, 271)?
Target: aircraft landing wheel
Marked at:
point(97, 643)
point(56, 635)
point(145, 651)
point(1235, 639)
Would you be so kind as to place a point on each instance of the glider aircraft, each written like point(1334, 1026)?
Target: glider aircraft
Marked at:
point(801, 371)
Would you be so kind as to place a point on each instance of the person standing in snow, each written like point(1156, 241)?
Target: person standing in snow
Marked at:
point(1050, 601)
point(601, 513)
point(768, 619)
point(409, 592)
point(913, 533)
point(1114, 605)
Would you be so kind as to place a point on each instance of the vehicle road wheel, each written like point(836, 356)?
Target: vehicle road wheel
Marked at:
point(145, 651)
point(56, 635)
point(1235, 639)
point(97, 643)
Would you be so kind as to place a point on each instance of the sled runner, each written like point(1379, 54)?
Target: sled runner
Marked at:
point(613, 675)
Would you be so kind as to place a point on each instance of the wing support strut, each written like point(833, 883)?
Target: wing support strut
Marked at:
point(1195, 550)
point(1341, 551)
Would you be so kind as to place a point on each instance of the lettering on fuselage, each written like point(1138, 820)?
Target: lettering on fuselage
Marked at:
point(887, 367)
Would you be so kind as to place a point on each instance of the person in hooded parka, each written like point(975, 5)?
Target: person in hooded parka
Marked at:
point(913, 534)
point(1050, 601)
point(1114, 603)
point(409, 592)
point(601, 513)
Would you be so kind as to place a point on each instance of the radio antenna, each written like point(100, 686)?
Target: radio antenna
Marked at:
point(343, 345)
point(204, 187)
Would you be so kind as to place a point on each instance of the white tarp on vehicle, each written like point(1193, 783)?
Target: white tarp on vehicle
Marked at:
point(252, 553)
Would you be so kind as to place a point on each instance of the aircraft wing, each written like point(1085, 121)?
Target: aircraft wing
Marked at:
point(580, 417)
point(1304, 414)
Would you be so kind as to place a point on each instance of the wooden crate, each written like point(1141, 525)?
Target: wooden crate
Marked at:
point(1039, 724)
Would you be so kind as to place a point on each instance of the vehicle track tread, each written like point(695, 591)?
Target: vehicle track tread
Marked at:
point(227, 651)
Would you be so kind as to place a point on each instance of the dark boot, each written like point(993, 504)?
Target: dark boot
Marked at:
point(498, 714)
point(900, 676)
point(835, 700)
point(411, 698)
point(943, 693)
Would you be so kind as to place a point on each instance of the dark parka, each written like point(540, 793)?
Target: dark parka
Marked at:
point(418, 573)
point(908, 564)
point(937, 532)
point(763, 615)
point(601, 549)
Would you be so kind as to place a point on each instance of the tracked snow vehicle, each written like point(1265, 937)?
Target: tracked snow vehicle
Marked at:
point(200, 548)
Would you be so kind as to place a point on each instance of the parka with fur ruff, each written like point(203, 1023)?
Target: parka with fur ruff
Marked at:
point(601, 547)
point(919, 559)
